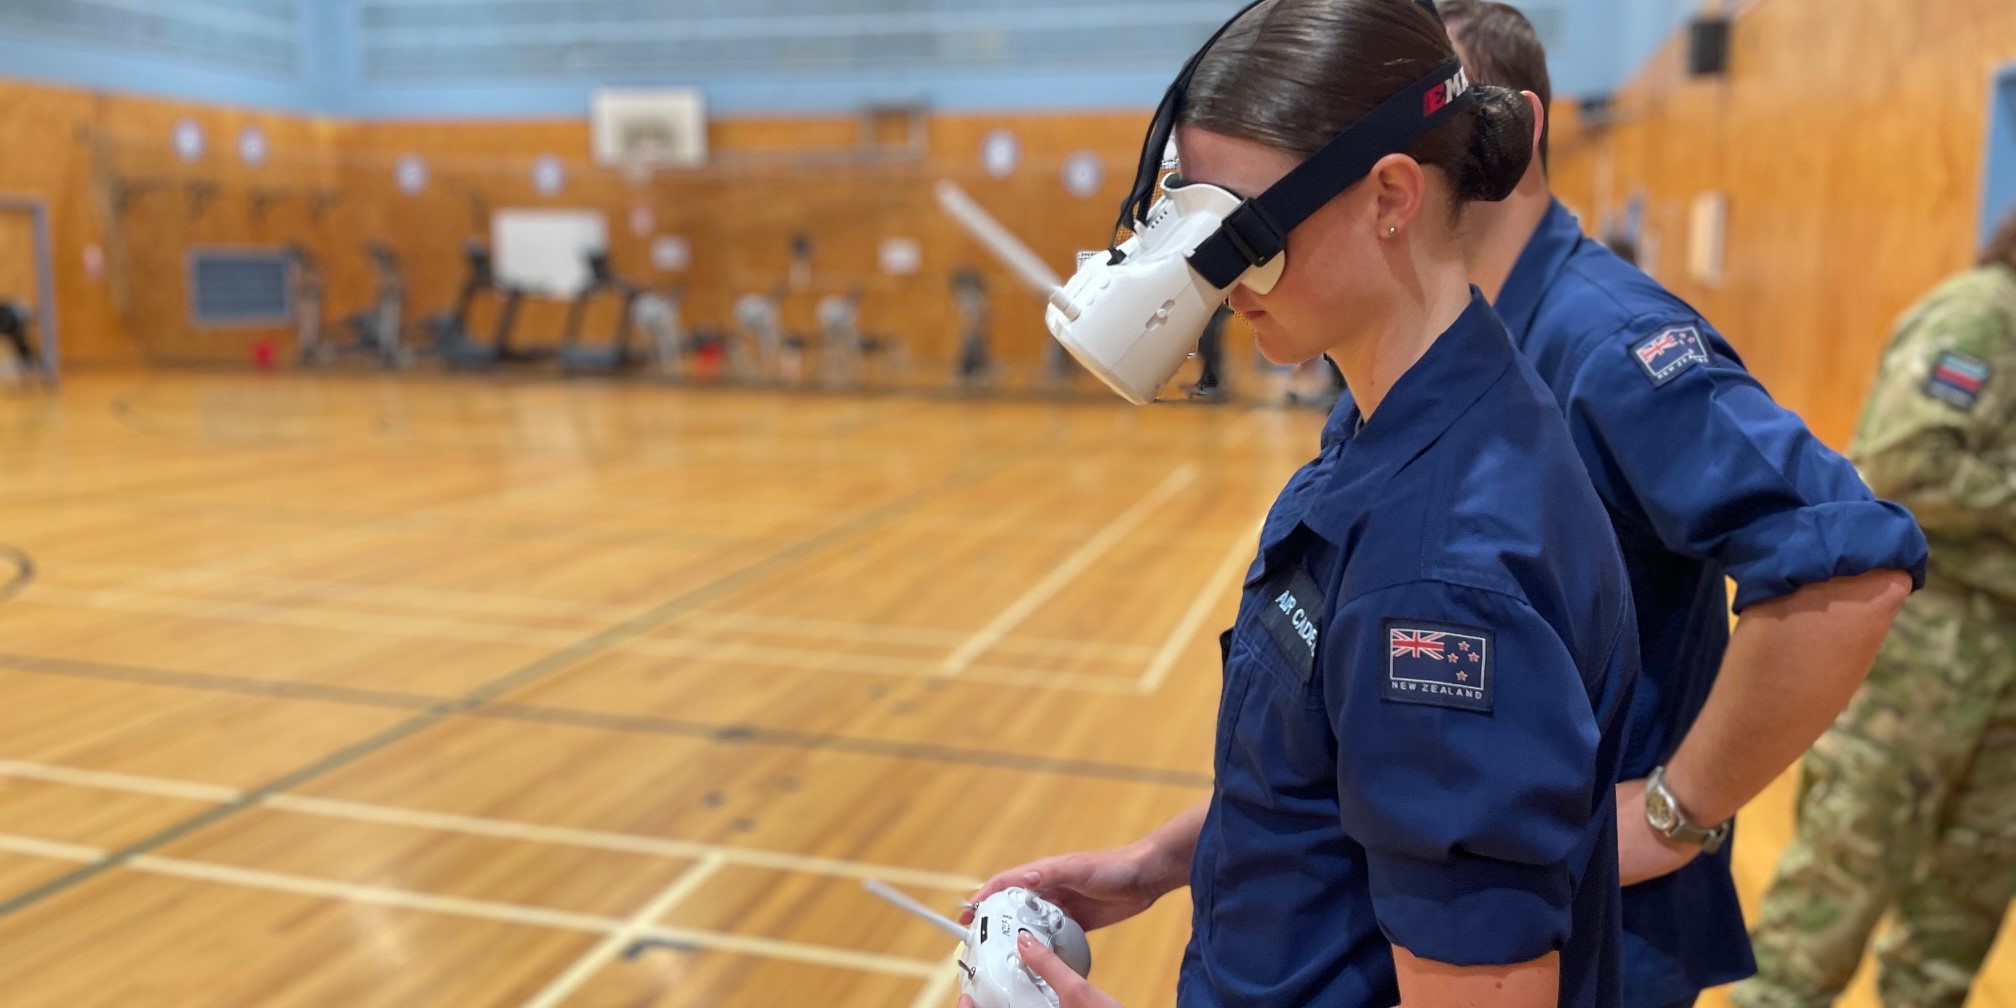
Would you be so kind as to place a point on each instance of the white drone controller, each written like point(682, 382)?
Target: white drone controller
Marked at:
point(991, 970)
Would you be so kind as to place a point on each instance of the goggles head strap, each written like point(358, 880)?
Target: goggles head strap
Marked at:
point(1258, 230)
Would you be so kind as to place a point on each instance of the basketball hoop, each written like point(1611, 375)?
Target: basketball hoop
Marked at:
point(642, 161)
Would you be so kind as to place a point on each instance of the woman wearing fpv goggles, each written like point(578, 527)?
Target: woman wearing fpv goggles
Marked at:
point(1425, 686)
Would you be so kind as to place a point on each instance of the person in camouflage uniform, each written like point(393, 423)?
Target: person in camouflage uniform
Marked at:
point(1908, 803)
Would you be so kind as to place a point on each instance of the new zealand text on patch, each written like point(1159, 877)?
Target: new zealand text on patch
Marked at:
point(1957, 379)
point(1669, 353)
point(1440, 664)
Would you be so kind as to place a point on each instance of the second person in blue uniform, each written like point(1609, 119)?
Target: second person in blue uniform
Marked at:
point(1426, 686)
point(1708, 481)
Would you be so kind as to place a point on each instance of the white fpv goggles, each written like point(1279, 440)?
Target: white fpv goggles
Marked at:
point(1133, 314)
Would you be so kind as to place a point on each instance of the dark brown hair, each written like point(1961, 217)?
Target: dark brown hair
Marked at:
point(1292, 74)
point(1502, 48)
point(2002, 247)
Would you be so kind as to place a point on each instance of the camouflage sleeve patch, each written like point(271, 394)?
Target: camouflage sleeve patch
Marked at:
point(1957, 380)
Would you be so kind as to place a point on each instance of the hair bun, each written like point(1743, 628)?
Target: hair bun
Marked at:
point(1501, 144)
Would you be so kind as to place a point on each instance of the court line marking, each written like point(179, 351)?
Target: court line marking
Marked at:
point(706, 731)
point(505, 829)
point(488, 910)
point(1237, 559)
point(886, 633)
point(157, 580)
point(743, 653)
point(778, 948)
point(279, 613)
point(862, 521)
point(54, 850)
point(937, 993)
point(1068, 570)
point(158, 787)
point(518, 532)
point(255, 430)
point(209, 682)
point(584, 969)
point(630, 843)
point(325, 590)
point(386, 896)
point(899, 749)
point(508, 635)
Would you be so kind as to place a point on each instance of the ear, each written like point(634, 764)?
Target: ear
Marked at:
point(1539, 120)
point(1399, 187)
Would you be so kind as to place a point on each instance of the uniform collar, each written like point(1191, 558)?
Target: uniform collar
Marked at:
point(1545, 253)
point(1343, 420)
point(1424, 403)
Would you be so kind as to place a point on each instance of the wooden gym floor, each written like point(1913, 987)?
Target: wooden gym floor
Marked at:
point(412, 691)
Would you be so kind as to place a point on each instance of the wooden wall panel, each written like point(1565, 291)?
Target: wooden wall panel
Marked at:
point(796, 175)
point(1848, 138)
point(162, 207)
point(105, 165)
point(51, 160)
point(68, 143)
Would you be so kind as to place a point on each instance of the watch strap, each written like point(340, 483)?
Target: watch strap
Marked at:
point(1709, 839)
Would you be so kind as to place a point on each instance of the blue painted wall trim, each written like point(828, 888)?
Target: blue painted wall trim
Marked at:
point(1601, 43)
point(1006, 91)
point(1998, 187)
point(62, 61)
point(1596, 45)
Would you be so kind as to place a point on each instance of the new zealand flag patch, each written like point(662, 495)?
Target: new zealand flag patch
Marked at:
point(1957, 380)
point(1439, 664)
point(1669, 354)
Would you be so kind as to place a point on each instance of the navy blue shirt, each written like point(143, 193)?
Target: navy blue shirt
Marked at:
point(1423, 706)
point(1705, 478)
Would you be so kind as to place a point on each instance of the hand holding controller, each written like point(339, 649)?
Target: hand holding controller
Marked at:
point(997, 977)
point(993, 974)
point(1071, 989)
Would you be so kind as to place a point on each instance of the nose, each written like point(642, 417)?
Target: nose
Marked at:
point(1243, 300)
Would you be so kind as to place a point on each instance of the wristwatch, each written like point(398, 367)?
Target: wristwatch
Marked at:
point(1664, 814)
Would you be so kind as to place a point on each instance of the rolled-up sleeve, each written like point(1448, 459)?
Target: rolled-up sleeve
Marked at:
point(1715, 469)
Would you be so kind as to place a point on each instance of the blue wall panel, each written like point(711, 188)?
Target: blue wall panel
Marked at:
point(426, 58)
point(251, 52)
point(1998, 190)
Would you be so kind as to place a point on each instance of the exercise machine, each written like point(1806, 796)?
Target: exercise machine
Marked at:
point(577, 357)
point(658, 313)
point(308, 291)
point(453, 339)
point(1210, 387)
point(976, 323)
point(377, 332)
point(757, 350)
point(17, 319)
point(840, 347)
point(382, 327)
point(845, 350)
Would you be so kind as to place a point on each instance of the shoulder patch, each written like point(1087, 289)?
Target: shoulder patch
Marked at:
point(1668, 354)
point(1439, 664)
point(1957, 379)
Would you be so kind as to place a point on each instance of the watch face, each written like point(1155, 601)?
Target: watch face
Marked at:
point(1659, 811)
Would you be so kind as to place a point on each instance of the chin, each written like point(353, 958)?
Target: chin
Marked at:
point(1277, 347)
